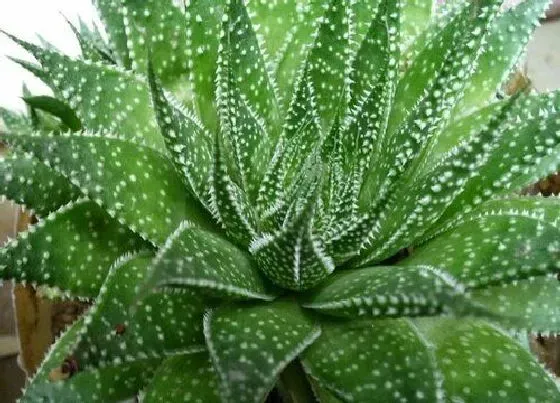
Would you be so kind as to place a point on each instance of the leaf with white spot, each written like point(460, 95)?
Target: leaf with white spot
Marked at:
point(418, 202)
point(29, 182)
point(294, 256)
point(386, 291)
point(386, 358)
point(229, 203)
point(109, 384)
point(327, 68)
point(92, 44)
point(204, 21)
point(532, 304)
point(158, 26)
point(105, 99)
point(135, 184)
point(501, 241)
point(506, 41)
point(246, 133)
point(14, 122)
point(479, 362)
point(199, 260)
point(543, 167)
point(56, 108)
point(251, 344)
point(459, 131)
point(161, 324)
point(418, 118)
point(111, 13)
point(529, 134)
point(373, 81)
point(71, 249)
point(187, 141)
point(182, 378)
point(416, 17)
point(241, 61)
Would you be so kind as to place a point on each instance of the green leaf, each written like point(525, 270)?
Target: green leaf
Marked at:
point(383, 358)
point(506, 41)
point(251, 344)
point(204, 19)
point(92, 44)
point(374, 78)
point(182, 378)
point(528, 134)
point(426, 359)
point(327, 68)
point(56, 108)
point(294, 256)
point(501, 241)
point(479, 362)
point(532, 304)
point(301, 24)
point(241, 61)
point(418, 202)
point(115, 383)
point(109, 384)
point(135, 184)
point(158, 26)
point(460, 131)
point(32, 184)
point(161, 324)
point(444, 40)
point(228, 202)
point(543, 167)
point(243, 129)
point(383, 291)
point(194, 258)
point(71, 249)
point(118, 102)
point(14, 122)
point(187, 141)
point(416, 16)
point(420, 113)
point(112, 14)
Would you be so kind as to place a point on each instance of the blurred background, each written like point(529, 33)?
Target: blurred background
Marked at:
point(42, 319)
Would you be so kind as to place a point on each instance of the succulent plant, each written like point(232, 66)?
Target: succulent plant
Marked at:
point(292, 199)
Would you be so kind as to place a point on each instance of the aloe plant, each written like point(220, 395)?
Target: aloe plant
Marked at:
point(299, 200)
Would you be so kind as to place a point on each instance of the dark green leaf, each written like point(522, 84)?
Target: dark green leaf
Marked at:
point(135, 184)
point(161, 324)
point(204, 19)
point(502, 240)
point(294, 256)
point(187, 141)
point(506, 42)
point(240, 61)
point(32, 184)
point(229, 204)
point(197, 259)
point(251, 344)
point(112, 14)
point(528, 134)
point(158, 26)
point(327, 68)
point(71, 249)
point(118, 102)
point(480, 363)
point(182, 378)
point(386, 291)
point(56, 108)
point(532, 304)
point(387, 359)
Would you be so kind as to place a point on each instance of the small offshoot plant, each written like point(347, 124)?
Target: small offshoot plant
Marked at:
point(294, 200)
